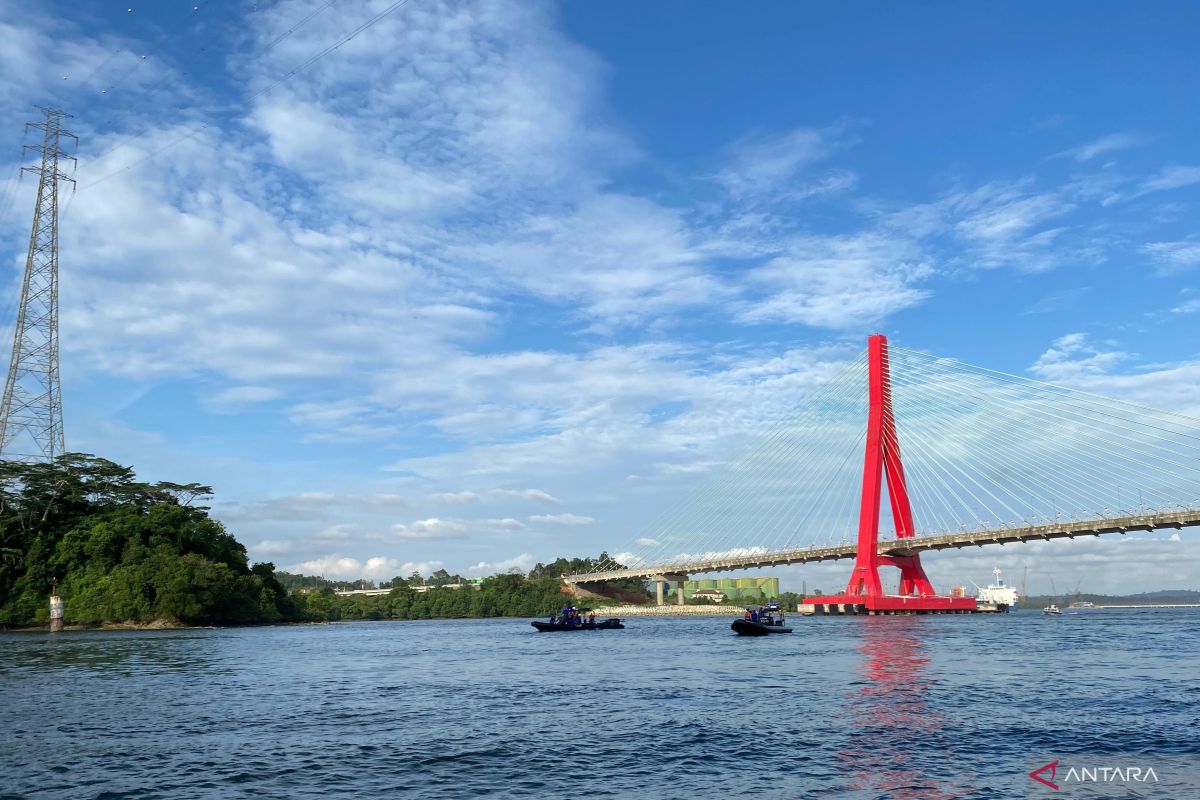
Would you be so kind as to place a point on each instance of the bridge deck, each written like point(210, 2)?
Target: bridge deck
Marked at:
point(916, 544)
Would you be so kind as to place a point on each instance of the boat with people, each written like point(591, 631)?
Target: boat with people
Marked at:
point(1052, 610)
point(573, 619)
point(761, 621)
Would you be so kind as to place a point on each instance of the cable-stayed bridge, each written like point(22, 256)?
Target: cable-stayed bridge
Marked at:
point(965, 457)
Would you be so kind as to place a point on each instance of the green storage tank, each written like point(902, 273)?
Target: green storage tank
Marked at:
point(708, 584)
point(728, 583)
point(747, 583)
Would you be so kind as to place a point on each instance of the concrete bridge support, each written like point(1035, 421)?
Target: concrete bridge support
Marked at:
point(663, 583)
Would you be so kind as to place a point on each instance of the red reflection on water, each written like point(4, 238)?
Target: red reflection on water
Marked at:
point(888, 716)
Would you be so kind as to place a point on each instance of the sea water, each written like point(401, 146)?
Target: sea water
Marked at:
point(847, 707)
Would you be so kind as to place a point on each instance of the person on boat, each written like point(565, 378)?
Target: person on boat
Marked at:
point(746, 615)
point(591, 618)
point(753, 615)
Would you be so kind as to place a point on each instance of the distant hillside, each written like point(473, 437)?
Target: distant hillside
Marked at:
point(1162, 596)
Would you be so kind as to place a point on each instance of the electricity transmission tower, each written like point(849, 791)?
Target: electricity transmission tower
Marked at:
point(31, 426)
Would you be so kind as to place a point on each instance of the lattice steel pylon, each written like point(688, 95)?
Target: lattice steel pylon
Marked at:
point(31, 424)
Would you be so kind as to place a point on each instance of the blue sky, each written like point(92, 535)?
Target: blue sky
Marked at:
point(496, 282)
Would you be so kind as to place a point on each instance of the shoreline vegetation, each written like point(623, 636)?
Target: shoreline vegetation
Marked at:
point(130, 555)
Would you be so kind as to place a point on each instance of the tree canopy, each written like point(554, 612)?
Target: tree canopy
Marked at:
point(122, 549)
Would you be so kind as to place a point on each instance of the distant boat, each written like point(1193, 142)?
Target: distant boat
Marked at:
point(1052, 610)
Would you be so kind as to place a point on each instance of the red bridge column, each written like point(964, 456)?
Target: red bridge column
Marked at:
point(883, 460)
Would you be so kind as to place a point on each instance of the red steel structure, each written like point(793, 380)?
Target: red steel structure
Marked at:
point(865, 591)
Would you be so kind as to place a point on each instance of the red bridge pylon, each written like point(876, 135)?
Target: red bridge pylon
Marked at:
point(864, 593)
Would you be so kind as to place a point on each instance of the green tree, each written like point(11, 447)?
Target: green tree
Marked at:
point(122, 550)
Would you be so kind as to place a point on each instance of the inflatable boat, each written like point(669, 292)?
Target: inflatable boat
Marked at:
point(609, 624)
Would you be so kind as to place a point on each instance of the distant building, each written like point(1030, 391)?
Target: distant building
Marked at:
point(740, 590)
point(715, 595)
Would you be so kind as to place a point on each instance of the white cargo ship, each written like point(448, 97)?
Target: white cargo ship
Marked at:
point(998, 594)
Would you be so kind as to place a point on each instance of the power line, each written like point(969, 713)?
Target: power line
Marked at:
point(147, 55)
point(125, 142)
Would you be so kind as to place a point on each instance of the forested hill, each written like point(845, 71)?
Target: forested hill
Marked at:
point(1160, 597)
point(122, 550)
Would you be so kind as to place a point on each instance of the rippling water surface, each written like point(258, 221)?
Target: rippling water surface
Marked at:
point(887, 707)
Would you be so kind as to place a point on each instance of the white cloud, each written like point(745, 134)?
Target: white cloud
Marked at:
point(1174, 256)
point(524, 562)
point(305, 506)
point(1172, 177)
point(453, 498)
point(336, 532)
point(1005, 214)
point(240, 398)
point(1073, 361)
point(561, 519)
point(1058, 301)
point(709, 555)
point(1071, 358)
point(432, 528)
point(758, 166)
point(624, 259)
point(998, 224)
point(839, 281)
point(271, 547)
point(507, 524)
point(528, 494)
point(1104, 145)
point(338, 567)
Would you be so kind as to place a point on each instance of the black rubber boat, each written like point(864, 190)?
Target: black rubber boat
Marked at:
point(760, 621)
point(744, 627)
point(607, 625)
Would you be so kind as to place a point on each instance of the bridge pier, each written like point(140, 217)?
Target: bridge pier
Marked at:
point(886, 606)
point(662, 585)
